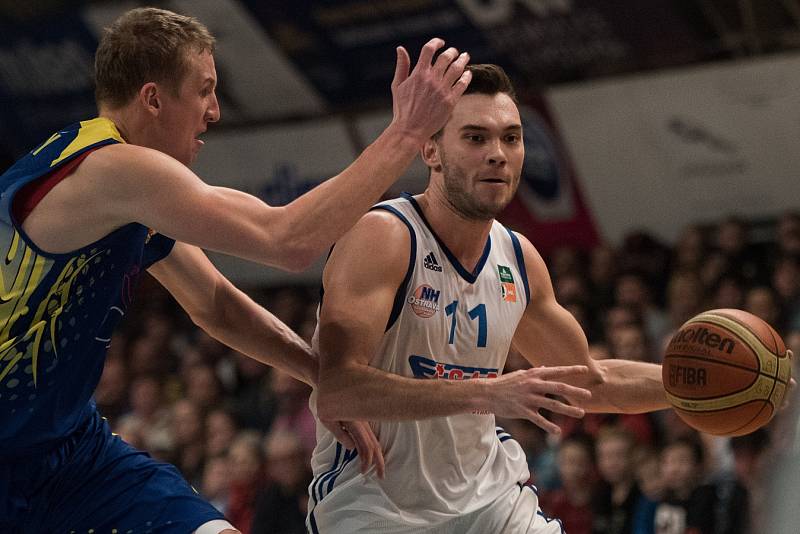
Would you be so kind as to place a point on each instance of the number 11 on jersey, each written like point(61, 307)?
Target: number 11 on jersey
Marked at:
point(478, 312)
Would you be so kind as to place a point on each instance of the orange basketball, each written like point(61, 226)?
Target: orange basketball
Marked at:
point(726, 372)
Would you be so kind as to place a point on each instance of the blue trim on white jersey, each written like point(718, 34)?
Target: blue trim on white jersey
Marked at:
point(539, 511)
point(327, 473)
point(313, 523)
point(349, 456)
point(470, 277)
point(400, 296)
point(502, 435)
point(520, 264)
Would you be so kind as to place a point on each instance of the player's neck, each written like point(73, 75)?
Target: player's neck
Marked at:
point(127, 123)
point(466, 238)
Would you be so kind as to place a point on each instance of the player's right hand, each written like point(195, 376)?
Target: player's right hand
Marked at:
point(522, 394)
point(424, 99)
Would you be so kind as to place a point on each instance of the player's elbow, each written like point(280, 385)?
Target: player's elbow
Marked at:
point(287, 248)
point(299, 257)
point(331, 404)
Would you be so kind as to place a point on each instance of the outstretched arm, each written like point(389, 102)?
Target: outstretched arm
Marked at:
point(137, 184)
point(230, 316)
point(360, 280)
point(549, 335)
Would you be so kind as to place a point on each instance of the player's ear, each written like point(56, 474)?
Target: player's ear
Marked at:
point(430, 155)
point(149, 98)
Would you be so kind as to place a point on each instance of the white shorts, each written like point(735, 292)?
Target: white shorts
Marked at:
point(516, 512)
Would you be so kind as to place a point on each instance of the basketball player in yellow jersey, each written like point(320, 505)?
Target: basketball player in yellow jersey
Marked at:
point(422, 300)
point(98, 202)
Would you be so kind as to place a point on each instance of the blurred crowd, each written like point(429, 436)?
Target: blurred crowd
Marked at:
point(242, 433)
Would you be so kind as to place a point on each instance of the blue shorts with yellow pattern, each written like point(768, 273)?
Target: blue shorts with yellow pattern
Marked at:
point(93, 482)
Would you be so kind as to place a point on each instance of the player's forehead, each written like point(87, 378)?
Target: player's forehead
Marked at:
point(200, 68)
point(493, 112)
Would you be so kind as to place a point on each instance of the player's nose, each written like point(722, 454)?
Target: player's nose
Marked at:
point(496, 155)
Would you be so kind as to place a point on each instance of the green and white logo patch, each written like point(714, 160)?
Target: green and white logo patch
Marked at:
point(505, 274)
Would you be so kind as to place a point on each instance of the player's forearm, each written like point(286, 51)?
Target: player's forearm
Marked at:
point(366, 393)
point(627, 387)
point(255, 332)
point(320, 217)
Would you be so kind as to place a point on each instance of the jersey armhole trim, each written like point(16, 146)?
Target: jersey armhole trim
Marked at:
point(399, 297)
point(520, 264)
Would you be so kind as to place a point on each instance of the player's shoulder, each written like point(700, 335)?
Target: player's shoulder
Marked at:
point(128, 169)
point(381, 227)
point(378, 242)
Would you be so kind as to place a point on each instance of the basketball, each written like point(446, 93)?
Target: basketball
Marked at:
point(726, 371)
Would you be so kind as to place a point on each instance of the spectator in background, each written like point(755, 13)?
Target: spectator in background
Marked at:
point(221, 430)
point(743, 257)
point(148, 421)
point(630, 343)
point(690, 250)
point(602, 272)
point(786, 282)
point(572, 502)
point(633, 291)
point(202, 386)
point(248, 479)
point(685, 298)
point(111, 394)
point(566, 261)
point(254, 404)
point(651, 487)
point(282, 506)
point(617, 317)
point(217, 482)
point(644, 254)
point(727, 291)
point(743, 496)
point(788, 234)
point(188, 442)
point(689, 506)
point(146, 356)
point(293, 413)
point(681, 471)
point(762, 301)
point(618, 493)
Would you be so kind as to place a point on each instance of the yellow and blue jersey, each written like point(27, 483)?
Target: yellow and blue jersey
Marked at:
point(58, 311)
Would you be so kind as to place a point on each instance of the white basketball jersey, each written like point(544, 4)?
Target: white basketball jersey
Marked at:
point(446, 324)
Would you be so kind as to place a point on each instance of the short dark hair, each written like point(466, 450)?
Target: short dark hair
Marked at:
point(490, 79)
point(487, 79)
point(145, 45)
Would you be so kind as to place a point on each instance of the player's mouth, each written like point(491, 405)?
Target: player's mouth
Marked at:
point(495, 181)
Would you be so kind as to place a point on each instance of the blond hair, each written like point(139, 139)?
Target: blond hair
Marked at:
point(146, 45)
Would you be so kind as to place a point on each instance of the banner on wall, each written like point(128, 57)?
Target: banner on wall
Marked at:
point(548, 208)
point(659, 152)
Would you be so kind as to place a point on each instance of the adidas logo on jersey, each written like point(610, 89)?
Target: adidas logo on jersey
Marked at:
point(431, 263)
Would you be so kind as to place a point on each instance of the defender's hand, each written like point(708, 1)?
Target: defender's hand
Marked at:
point(423, 100)
point(358, 435)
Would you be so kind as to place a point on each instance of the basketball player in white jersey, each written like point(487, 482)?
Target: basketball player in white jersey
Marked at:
point(422, 300)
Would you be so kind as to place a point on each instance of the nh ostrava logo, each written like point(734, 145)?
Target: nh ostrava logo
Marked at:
point(431, 263)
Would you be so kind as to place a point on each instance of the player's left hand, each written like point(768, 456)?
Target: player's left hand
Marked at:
point(358, 435)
